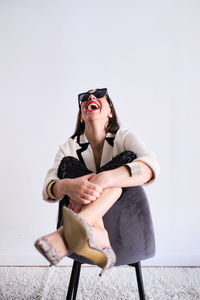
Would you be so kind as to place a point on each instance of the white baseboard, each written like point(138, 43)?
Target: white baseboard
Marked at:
point(159, 260)
point(28, 260)
point(174, 259)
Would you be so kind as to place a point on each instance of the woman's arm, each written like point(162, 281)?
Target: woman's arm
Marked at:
point(145, 158)
point(139, 174)
point(141, 171)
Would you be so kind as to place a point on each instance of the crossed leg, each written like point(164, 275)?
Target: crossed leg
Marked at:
point(93, 214)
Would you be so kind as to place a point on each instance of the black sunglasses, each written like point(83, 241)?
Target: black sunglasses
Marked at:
point(98, 93)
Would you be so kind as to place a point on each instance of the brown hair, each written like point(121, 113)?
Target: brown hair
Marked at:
point(113, 124)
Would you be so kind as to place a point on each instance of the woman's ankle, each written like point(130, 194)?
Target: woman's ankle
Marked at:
point(100, 237)
point(89, 219)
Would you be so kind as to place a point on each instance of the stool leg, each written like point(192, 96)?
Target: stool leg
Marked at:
point(138, 271)
point(77, 281)
point(74, 280)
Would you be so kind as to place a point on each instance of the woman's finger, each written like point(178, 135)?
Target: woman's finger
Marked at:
point(93, 193)
point(95, 187)
point(87, 196)
point(84, 201)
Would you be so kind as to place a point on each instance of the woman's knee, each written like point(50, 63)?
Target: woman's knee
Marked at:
point(119, 191)
point(71, 167)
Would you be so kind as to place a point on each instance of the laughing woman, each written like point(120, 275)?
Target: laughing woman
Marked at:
point(89, 172)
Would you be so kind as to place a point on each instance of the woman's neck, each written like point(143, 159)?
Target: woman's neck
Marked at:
point(95, 135)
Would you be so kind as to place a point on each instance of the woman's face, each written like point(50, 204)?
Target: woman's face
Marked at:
point(96, 109)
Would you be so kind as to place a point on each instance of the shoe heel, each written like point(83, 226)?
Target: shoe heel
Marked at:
point(111, 259)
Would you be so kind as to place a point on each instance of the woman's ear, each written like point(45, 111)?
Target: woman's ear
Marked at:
point(110, 115)
point(81, 119)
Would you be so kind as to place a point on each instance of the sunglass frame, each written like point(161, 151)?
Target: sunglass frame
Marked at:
point(80, 101)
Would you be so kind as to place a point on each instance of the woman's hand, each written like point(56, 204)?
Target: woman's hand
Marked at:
point(97, 179)
point(75, 206)
point(80, 189)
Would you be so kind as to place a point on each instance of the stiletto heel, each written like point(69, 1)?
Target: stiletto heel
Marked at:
point(110, 261)
point(78, 236)
point(47, 250)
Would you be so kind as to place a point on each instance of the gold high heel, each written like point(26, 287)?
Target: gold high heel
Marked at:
point(78, 235)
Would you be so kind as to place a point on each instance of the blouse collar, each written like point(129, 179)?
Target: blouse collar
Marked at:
point(82, 139)
point(85, 152)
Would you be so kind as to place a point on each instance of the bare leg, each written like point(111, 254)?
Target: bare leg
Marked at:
point(94, 211)
point(93, 214)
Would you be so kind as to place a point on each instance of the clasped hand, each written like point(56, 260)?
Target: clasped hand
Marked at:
point(84, 190)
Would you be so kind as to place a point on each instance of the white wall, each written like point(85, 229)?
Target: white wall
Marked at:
point(147, 54)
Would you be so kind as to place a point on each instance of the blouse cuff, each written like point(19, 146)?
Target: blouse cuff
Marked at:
point(153, 165)
point(45, 194)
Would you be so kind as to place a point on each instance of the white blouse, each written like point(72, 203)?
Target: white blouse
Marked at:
point(114, 144)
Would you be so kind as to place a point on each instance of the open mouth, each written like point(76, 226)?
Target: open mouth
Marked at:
point(92, 105)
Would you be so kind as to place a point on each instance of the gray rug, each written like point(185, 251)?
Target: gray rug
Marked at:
point(118, 283)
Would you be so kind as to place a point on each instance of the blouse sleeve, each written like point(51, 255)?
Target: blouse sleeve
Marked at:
point(136, 144)
point(52, 174)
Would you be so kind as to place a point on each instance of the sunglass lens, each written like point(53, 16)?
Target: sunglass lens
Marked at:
point(83, 97)
point(100, 93)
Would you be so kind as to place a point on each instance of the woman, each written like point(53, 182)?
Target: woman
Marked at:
point(91, 169)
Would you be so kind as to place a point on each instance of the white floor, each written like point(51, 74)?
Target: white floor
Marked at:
point(161, 283)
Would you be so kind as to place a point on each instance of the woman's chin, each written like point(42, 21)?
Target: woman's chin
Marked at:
point(96, 120)
point(92, 116)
